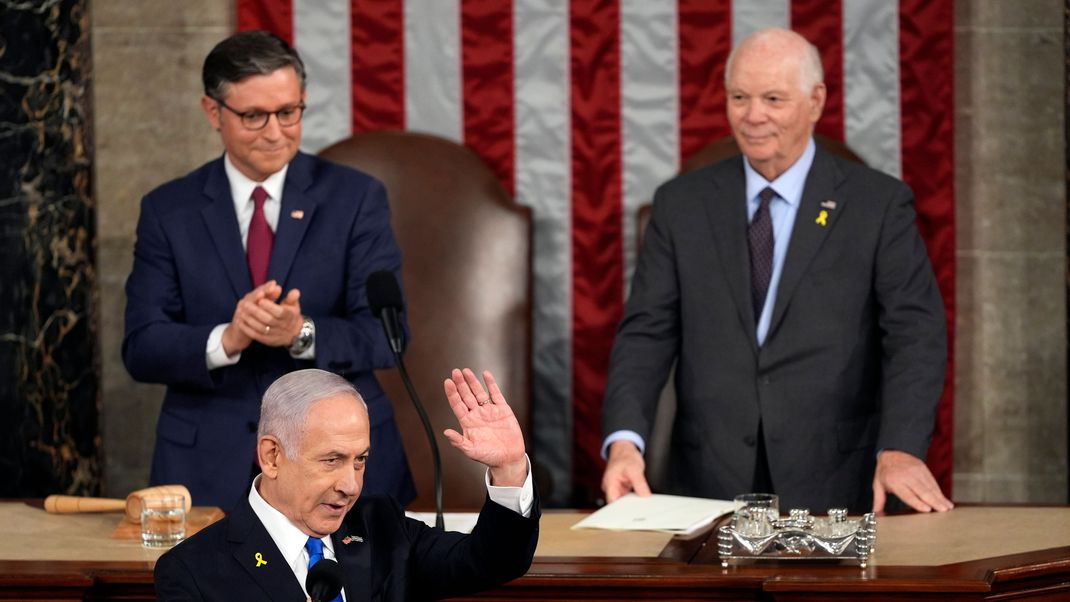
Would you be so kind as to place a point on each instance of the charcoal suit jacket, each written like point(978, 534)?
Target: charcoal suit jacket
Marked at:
point(853, 362)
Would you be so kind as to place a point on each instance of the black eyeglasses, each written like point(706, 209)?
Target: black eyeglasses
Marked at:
point(258, 120)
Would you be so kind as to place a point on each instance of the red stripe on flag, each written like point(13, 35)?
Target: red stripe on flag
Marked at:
point(378, 65)
point(276, 16)
point(597, 251)
point(705, 39)
point(822, 24)
point(926, 75)
point(487, 89)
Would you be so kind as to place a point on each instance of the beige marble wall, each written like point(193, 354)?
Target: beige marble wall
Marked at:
point(149, 126)
point(1011, 381)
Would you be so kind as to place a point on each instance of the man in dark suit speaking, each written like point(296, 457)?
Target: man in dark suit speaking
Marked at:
point(252, 266)
point(794, 292)
point(306, 505)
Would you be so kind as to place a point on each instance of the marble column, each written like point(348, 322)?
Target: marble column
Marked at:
point(49, 361)
point(1010, 180)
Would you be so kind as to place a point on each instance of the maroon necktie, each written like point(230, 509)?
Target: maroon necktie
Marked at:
point(760, 237)
point(258, 245)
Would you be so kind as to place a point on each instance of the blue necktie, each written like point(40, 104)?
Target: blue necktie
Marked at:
point(315, 554)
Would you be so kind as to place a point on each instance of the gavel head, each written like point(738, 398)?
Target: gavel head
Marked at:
point(133, 501)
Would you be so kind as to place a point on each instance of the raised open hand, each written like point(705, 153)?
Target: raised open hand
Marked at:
point(490, 432)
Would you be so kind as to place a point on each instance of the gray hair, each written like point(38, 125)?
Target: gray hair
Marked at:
point(246, 54)
point(288, 399)
point(811, 72)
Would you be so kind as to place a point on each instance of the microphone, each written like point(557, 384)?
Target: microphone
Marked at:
point(384, 297)
point(324, 581)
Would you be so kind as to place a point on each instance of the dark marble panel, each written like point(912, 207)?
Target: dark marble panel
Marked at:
point(49, 364)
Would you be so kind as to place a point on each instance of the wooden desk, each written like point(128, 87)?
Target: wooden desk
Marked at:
point(972, 553)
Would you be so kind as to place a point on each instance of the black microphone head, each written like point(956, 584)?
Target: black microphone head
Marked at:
point(383, 292)
point(324, 581)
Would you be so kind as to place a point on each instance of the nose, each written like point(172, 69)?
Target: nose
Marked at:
point(273, 129)
point(350, 482)
point(753, 112)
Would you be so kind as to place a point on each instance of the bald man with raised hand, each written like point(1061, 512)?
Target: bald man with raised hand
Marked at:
point(794, 293)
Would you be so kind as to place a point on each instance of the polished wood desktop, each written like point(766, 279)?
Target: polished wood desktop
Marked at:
point(971, 553)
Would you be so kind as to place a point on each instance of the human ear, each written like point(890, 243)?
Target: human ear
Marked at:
point(268, 453)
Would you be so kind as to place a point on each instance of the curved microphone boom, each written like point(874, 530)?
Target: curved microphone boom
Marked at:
point(324, 581)
point(384, 298)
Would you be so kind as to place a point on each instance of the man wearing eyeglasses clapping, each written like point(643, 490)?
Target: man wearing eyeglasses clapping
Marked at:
point(253, 266)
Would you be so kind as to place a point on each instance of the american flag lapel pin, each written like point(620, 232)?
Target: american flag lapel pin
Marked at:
point(348, 539)
point(828, 204)
point(297, 214)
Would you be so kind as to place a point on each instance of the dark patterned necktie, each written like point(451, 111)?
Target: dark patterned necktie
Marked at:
point(260, 239)
point(760, 238)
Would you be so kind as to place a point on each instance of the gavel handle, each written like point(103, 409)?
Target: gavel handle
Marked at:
point(72, 504)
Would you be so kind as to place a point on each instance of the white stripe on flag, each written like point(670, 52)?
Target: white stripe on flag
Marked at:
point(543, 182)
point(433, 68)
point(871, 83)
point(650, 117)
point(322, 37)
point(748, 16)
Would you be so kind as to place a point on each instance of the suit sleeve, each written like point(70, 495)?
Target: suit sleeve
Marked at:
point(648, 336)
point(352, 339)
point(158, 345)
point(913, 332)
point(499, 549)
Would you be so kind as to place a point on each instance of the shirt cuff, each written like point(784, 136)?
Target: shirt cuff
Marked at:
point(622, 435)
point(214, 354)
point(518, 499)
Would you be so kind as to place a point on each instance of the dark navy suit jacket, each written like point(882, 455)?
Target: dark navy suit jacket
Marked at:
point(387, 557)
point(189, 273)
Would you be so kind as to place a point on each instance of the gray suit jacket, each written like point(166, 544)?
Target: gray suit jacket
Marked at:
point(855, 355)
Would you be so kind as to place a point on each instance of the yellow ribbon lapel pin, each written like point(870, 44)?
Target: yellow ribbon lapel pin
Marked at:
point(822, 218)
point(260, 560)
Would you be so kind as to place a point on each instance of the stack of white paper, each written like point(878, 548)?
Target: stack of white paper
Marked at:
point(658, 512)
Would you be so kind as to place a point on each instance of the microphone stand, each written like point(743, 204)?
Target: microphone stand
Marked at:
point(440, 522)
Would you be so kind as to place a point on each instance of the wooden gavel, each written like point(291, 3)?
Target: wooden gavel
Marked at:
point(131, 506)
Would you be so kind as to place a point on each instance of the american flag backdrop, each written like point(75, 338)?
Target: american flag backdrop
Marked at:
point(582, 107)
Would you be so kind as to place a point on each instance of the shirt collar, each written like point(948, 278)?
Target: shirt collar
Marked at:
point(789, 186)
point(287, 537)
point(241, 187)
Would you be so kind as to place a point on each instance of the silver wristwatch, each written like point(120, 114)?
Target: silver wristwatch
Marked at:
point(304, 339)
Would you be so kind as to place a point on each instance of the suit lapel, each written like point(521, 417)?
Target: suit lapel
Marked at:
point(222, 224)
point(353, 552)
point(255, 551)
point(817, 217)
point(726, 212)
point(294, 217)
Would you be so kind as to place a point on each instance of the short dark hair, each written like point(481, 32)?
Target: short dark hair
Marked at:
point(245, 54)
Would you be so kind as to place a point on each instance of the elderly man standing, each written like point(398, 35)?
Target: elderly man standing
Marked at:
point(313, 448)
point(794, 292)
point(252, 266)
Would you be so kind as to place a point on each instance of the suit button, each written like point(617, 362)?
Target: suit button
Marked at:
point(749, 440)
point(251, 426)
